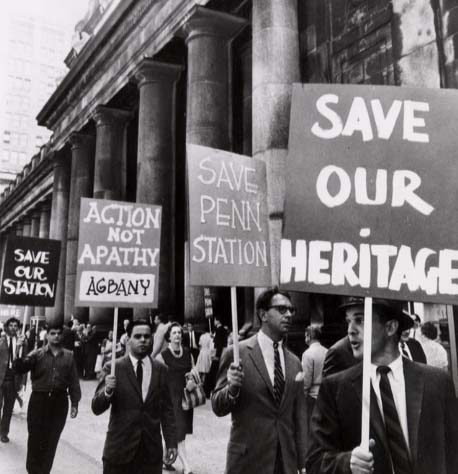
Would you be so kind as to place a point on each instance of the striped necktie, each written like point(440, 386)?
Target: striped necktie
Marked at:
point(403, 350)
point(395, 437)
point(279, 379)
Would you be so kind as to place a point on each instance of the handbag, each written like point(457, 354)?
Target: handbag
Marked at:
point(195, 397)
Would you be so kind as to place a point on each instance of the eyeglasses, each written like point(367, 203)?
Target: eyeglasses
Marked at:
point(282, 309)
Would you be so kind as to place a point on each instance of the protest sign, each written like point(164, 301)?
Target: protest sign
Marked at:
point(30, 270)
point(228, 221)
point(118, 254)
point(371, 194)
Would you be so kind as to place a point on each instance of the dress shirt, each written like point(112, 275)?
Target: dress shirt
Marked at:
point(312, 366)
point(8, 340)
point(52, 373)
point(398, 387)
point(267, 348)
point(147, 368)
point(435, 353)
point(192, 340)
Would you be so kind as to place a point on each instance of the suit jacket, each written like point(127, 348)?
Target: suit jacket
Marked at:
point(131, 418)
point(418, 354)
point(432, 419)
point(339, 357)
point(258, 425)
point(4, 357)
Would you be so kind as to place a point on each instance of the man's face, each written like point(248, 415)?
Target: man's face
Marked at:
point(12, 328)
point(156, 320)
point(190, 327)
point(405, 335)
point(140, 341)
point(278, 317)
point(55, 337)
point(355, 331)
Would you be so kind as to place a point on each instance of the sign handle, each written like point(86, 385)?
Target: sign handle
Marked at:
point(365, 415)
point(115, 337)
point(453, 348)
point(235, 325)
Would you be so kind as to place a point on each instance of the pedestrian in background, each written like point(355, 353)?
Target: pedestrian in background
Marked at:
point(411, 348)
point(206, 353)
point(312, 366)
point(54, 378)
point(91, 350)
point(435, 353)
point(162, 323)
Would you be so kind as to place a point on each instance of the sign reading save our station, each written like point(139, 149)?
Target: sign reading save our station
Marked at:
point(30, 270)
point(371, 193)
point(118, 254)
point(228, 222)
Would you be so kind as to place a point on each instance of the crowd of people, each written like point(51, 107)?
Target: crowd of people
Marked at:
point(288, 415)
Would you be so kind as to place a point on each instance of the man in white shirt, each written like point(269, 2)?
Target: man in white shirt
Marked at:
point(414, 415)
point(264, 395)
point(10, 381)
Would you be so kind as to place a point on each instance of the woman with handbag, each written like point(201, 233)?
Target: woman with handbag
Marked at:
point(181, 376)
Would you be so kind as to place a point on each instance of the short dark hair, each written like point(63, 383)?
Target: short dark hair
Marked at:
point(169, 330)
point(12, 320)
point(314, 331)
point(137, 322)
point(163, 317)
point(265, 298)
point(56, 326)
point(429, 330)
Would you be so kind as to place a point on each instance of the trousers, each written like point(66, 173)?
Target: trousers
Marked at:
point(7, 399)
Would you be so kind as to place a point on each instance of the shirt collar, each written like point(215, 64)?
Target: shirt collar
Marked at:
point(47, 348)
point(265, 340)
point(397, 368)
point(134, 360)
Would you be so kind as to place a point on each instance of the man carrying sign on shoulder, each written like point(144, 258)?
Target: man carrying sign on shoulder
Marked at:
point(413, 409)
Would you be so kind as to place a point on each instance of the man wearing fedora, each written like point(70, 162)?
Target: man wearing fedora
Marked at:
point(413, 413)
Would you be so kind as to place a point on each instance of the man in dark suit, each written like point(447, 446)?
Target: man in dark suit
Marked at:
point(191, 339)
point(264, 396)
point(10, 380)
point(140, 408)
point(413, 415)
point(339, 357)
point(411, 348)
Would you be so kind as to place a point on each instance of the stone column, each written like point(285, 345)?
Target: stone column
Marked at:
point(108, 175)
point(81, 185)
point(26, 226)
point(58, 229)
point(27, 311)
point(207, 121)
point(18, 228)
point(156, 164)
point(35, 232)
point(43, 233)
point(275, 69)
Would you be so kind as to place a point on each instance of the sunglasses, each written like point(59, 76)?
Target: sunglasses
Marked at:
point(282, 309)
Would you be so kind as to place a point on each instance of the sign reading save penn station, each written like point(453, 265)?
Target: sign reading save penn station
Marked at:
point(118, 254)
point(371, 199)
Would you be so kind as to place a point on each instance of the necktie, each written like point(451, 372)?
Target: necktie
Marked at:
point(395, 436)
point(140, 374)
point(279, 380)
point(404, 351)
point(10, 353)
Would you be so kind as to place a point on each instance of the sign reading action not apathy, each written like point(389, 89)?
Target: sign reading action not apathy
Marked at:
point(30, 270)
point(371, 193)
point(118, 254)
point(228, 222)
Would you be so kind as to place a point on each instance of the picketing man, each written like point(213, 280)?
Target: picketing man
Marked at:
point(54, 379)
point(413, 409)
point(264, 396)
point(141, 407)
point(10, 380)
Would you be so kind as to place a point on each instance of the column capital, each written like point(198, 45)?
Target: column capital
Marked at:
point(206, 22)
point(108, 116)
point(150, 70)
point(80, 140)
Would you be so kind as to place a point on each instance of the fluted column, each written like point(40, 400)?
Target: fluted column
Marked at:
point(26, 226)
point(43, 233)
point(27, 311)
point(109, 176)
point(156, 164)
point(207, 121)
point(275, 69)
point(35, 232)
point(81, 185)
point(58, 229)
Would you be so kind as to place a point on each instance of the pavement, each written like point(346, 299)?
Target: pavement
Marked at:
point(81, 444)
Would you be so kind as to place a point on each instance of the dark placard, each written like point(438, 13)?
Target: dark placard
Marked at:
point(118, 254)
point(371, 193)
point(228, 221)
point(30, 271)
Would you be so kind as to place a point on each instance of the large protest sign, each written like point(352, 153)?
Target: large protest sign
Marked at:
point(228, 222)
point(30, 270)
point(118, 254)
point(372, 191)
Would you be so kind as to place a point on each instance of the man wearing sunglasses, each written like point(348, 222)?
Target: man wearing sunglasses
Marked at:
point(264, 396)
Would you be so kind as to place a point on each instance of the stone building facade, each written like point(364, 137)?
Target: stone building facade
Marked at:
point(219, 73)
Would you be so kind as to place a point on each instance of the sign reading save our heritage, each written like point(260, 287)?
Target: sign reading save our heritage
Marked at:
point(30, 270)
point(228, 222)
point(371, 195)
point(118, 254)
